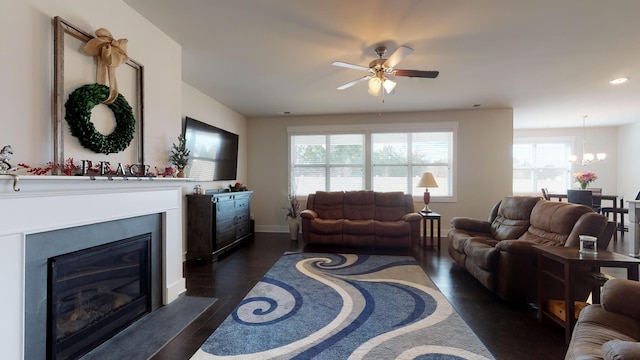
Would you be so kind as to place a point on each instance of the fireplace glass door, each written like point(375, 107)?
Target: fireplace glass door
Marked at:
point(96, 292)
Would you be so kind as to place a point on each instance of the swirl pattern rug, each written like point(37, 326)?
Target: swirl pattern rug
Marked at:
point(344, 306)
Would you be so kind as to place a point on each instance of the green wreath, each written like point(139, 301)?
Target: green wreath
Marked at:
point(78, 115)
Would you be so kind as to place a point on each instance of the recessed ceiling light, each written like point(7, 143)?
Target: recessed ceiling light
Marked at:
point(619, 80)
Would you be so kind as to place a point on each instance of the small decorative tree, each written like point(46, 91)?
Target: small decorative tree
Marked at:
point(180, 155)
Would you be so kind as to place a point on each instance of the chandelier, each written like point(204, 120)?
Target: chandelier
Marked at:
point(587, 158)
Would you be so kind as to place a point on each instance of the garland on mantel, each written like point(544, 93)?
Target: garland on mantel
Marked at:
point(78, 115)
point(70, 168)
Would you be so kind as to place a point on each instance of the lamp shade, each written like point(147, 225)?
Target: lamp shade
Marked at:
point(389, 85)
point(427, 181)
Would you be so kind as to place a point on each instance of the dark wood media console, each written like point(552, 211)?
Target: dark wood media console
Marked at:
point(217, 222)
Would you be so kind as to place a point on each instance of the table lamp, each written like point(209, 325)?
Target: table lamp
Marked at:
point(427, 181)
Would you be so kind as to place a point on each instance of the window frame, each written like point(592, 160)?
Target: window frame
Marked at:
point(566, 140)
point(367, 130)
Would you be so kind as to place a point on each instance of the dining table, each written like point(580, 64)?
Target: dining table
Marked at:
point(612, 198)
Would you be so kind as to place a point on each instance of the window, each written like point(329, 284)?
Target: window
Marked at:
point(541, 163)
point(327, 162)
point(398, 160)
point(376, 158)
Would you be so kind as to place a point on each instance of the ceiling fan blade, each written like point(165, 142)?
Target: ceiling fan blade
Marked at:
point(417, 73)
point(349, 66)
point(397, 56)
point(350, 84)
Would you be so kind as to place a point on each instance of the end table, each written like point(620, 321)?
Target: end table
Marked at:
point(431, 217)
point(564, 269)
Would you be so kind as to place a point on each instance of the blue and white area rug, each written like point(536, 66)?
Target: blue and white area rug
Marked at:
point(337, 306)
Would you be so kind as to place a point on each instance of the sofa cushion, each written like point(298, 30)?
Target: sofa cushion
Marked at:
point(513, 216)
point(329, 204)
point(358, 205)
point(621, 350)
point(595, 327)
point(482, 253)
point(390, 206)
point(357, 233)
point(326, 226)
point(621, 296)
point(391, 229)
point(358, 227)
point(458, 238)
point(552, 222)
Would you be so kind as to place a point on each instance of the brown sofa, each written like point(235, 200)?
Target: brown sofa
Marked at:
point(499, 251)
point(361, 218)
point(609, 330)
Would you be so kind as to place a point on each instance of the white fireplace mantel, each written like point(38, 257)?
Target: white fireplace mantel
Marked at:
point(45, 205)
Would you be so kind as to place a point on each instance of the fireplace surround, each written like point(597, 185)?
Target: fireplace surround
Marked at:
point(64, 245)
point(47, 204)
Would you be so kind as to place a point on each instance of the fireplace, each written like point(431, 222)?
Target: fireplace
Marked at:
point(96, 292)
point(49, 205)
point(84, 284)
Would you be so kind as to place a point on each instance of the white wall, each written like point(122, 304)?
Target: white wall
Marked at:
point(483, 168)
point(628, 182)
point(26, 70)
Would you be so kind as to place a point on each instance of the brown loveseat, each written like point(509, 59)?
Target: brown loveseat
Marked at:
point(361, 219)
point(499, 252)
point(609, 330)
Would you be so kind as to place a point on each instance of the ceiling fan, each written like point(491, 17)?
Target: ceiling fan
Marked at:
point(381, 70)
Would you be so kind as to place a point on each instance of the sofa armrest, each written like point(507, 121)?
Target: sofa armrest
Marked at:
point(412, 217)
point(621, 296)
point(471, 224)
point(308, 214)
point(621, 350)
point(590, 223)
point(516, 246)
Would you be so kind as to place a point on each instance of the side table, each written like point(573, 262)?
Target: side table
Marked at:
point(431, 217)
point(564, 269)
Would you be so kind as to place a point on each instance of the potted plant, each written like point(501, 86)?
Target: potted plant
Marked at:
point(237, 187)
point(293, 211)
point(180, 155)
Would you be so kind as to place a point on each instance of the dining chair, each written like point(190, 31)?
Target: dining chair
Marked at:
point(583, 197)
point(597, 202)
point(620, 211)
point(545, 194)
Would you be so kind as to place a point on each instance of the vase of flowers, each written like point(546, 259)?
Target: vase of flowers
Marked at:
point(293, 211)
point(585, 179)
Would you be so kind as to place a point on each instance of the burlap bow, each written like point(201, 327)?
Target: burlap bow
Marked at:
point(110, 53)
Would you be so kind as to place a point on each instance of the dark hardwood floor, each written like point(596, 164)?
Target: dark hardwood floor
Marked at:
point(509, 332)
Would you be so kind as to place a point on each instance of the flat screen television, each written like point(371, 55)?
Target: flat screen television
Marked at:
point(214, 151)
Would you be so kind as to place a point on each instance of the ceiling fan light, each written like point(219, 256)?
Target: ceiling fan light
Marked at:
point(374, 86)
point(389, 85)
